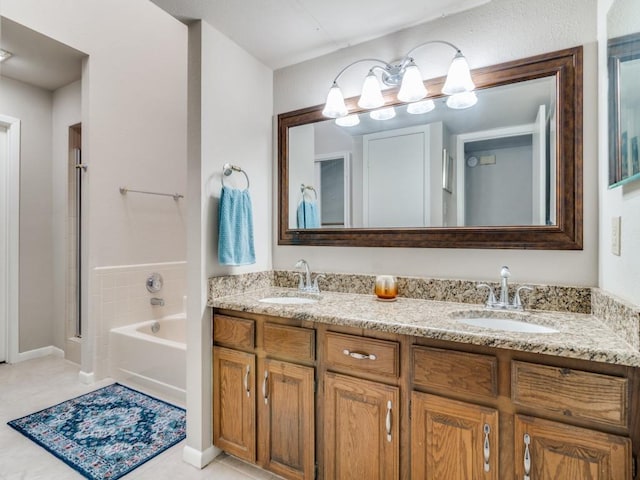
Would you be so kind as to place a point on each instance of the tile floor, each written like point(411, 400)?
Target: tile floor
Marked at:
point(36, 384)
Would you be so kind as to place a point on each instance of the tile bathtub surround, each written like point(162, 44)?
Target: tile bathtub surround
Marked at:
point(121, 298)
point(618, 314)
point(544, 297)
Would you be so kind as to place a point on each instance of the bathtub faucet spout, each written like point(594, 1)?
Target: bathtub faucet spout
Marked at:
point(157, 301)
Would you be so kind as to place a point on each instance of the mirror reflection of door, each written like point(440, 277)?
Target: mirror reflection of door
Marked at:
point(396, 184)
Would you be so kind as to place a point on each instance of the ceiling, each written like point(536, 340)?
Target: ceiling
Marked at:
point(284, 32)
point(277, 32)
point(38, 59)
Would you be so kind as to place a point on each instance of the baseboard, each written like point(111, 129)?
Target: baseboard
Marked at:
point(86, 378)
point(198, 458)
point(39, 353)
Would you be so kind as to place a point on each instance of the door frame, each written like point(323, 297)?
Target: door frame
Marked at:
point(461, 139)
point(10, 283)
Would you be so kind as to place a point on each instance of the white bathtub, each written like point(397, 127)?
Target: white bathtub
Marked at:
point(155, 362)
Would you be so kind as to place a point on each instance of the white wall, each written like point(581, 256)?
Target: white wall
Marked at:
point(134, 125)
point(618, 274)
point(496, 32)
point(33, 106)
point(66, 112)
point(229, 122)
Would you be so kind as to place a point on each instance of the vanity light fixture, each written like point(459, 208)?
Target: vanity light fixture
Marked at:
point(348, 121)
point(383, 113)
point(404, 73)
point(418, 108)
point(5, 55)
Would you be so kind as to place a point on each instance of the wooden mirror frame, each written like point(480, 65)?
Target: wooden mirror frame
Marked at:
point(566, 66)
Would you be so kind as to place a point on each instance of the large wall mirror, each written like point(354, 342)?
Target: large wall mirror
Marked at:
point(505, 173)
point(623, 51)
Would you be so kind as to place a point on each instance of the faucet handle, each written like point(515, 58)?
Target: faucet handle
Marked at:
point(517, 302)
point(491, 301)
point(316, 287)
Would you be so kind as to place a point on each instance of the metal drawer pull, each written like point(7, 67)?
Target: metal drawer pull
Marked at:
point(359, 356)
point(487, 447)
point(527, 457)
point(264, 387)
point(387, 422)
point(246, 381)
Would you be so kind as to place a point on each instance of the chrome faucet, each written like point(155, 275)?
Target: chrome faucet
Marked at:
point(157, 302)
point(503, 303)
point(304, 280)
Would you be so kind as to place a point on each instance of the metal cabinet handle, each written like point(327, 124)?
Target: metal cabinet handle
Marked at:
point(359, 356)
point(387, 422)
point(486, 447)
point(265, 394)
point(246, 381)
point(527, 457)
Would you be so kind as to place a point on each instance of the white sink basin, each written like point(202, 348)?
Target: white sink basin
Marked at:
point(288, 300)
point(506, 324)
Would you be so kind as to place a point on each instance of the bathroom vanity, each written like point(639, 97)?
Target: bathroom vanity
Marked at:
point(348, 387)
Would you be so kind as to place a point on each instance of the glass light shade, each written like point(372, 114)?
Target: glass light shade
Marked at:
point(371, 96)
point(418, 108)
point(383, 113)
point(459, 77)
point(412, 88)
point(334, 107)
point(462, 100)
point(348, 121)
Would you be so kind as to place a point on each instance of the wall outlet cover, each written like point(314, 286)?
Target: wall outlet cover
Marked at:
point(615, 235)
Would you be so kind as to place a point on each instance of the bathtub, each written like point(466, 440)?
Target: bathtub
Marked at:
point(152, 361)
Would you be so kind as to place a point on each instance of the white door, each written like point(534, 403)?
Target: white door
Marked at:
point(395, 184)
point(4, 274)
point(539, 168)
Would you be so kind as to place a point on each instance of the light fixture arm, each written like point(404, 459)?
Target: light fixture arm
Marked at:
point(360, 61)
point(430, 42)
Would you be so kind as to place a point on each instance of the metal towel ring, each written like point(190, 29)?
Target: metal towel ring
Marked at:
point(228, 169)
point(304, 187)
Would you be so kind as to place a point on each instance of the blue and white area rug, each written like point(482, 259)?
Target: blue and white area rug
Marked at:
point(106, 433)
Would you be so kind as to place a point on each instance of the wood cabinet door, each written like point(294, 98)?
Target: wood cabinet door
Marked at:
point(452, 440)
point(234, 402)
point(548, 450)
point(286, 414)
point(361, 429)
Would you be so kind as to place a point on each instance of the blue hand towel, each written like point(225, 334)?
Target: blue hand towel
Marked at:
point(235, 228)
point(307, 214)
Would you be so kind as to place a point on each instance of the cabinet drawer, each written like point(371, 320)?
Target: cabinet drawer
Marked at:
point(289, 342)
point(234, 332)
point(572, 393)
point(361, 354)
point(460, 372)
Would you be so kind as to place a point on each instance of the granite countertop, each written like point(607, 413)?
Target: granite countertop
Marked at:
point(579, 336)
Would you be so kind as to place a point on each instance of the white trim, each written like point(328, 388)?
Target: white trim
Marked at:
point(12, 219)
point(39, 353)
point(200, 459)
point(86, 378)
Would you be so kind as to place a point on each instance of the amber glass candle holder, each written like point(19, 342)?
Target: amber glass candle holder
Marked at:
point(386, 287)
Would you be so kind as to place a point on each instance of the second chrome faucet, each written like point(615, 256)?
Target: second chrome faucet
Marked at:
point(304, 283)
point(503, 303)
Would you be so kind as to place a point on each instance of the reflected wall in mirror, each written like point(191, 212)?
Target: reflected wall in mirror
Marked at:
point(515, 175)
point(623, 29)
